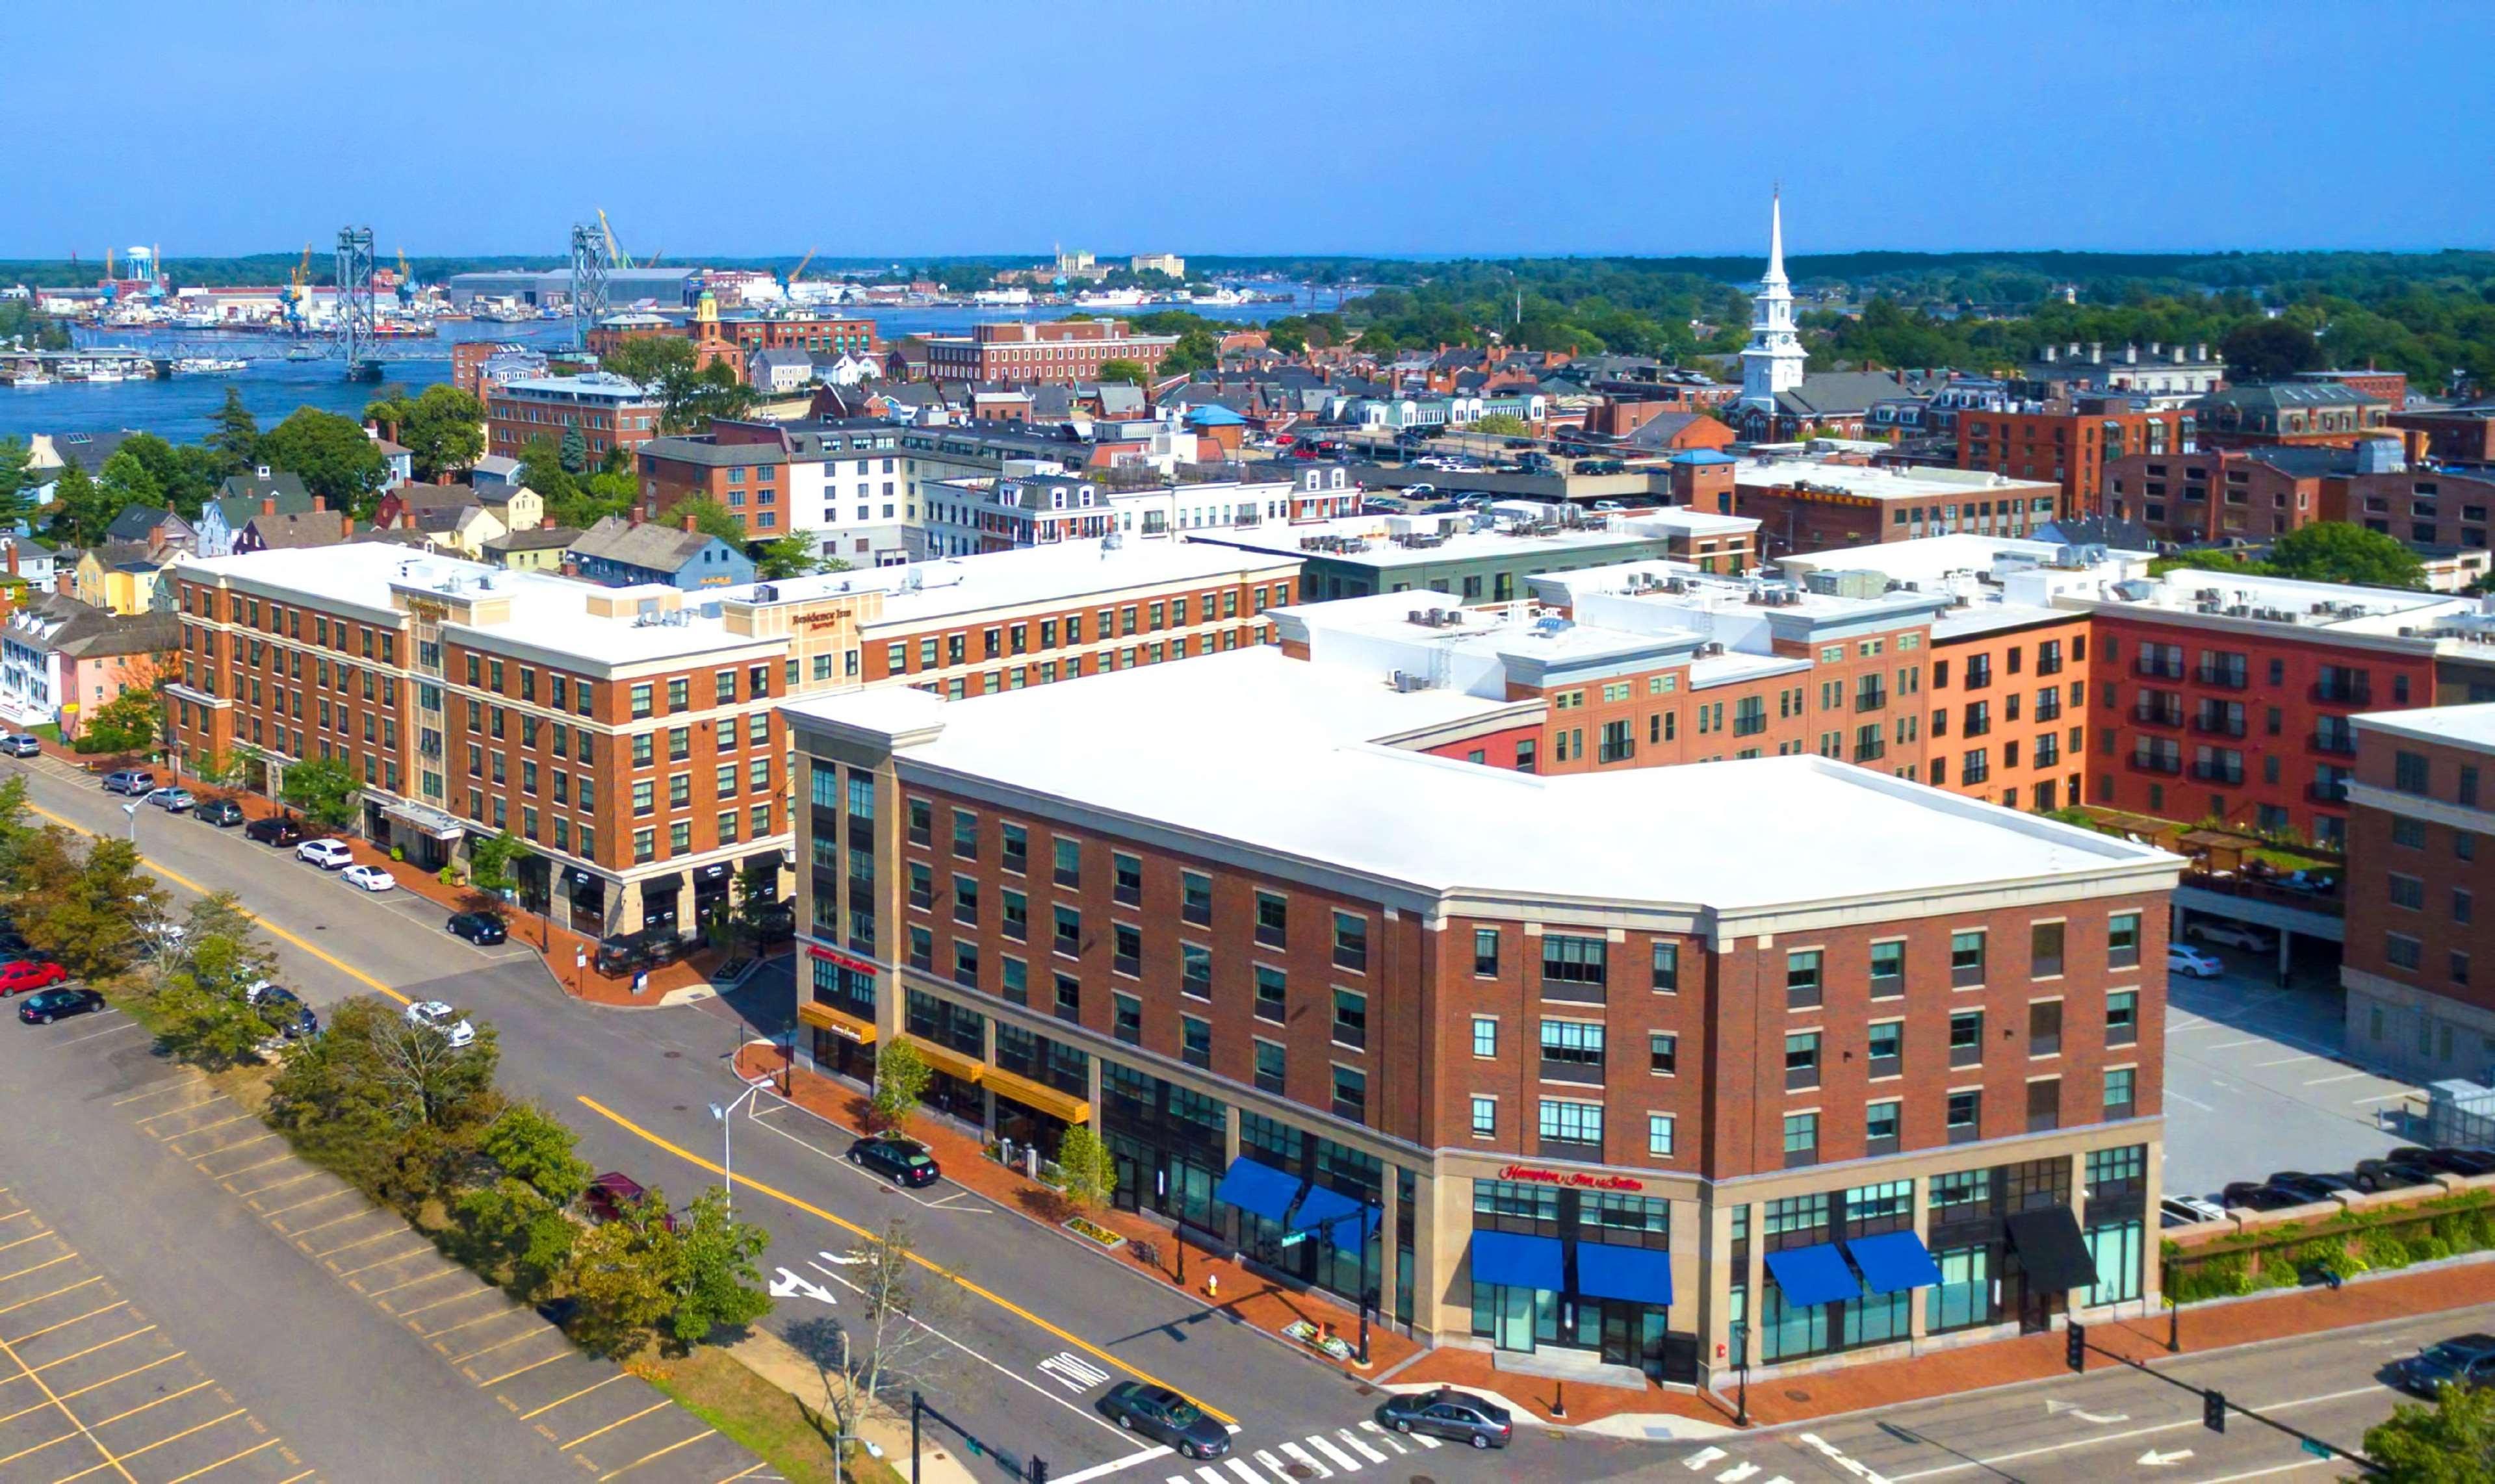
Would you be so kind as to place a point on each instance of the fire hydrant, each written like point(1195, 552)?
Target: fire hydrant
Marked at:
point(1213, 1285)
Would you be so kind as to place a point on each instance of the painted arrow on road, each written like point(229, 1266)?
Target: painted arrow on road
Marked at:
point(2153, 1459)
point(2054, 1408)
point(789, 1284)
point(848, 1259)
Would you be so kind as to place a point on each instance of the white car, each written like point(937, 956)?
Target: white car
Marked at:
point(437, 1015)
point(2252, 940)
point(372, 878)
point(2192, 963)
point(329, 855)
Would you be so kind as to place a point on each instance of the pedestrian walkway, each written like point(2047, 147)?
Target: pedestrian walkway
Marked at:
point(1223, 1285)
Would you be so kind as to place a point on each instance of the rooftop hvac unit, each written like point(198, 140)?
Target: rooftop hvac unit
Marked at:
point(1406, 682)
point(1710, 649)
point(766, 592)
point(2209, 595)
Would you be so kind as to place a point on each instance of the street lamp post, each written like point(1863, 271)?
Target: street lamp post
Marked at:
point(1741, 1369)
point(726, 1117)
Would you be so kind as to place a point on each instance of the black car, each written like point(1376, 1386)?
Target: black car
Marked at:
point(1446, 1412)
point(2467, 1361)
point(2253, 1196)
point(778, 923)
point(224, 813)
point(482, 928)
point(2391, 1174)
point(902, 1160)
point(2457, 1162)
point(633, 952)
point(1166, 1418)
point(279, 829)
point(46, 1005)
point(294, 1018)
point(2313, 1188)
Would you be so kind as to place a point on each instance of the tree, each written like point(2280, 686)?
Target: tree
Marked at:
point(1500, 425)
point(81, 508)
point(689, 401)
point(212, 1028)
point(791, 555)
point(126, 723)
point(235, 443)
point(620, 1274)
point(2268, 350)
point(900, 1075)
point(650, 359)
point(226, 769)
point(85, 907)
point(2340, 551)
point(2449, 1442)
point(492, 861)
point(709, 517)
point(324, 790)
point(1088, 1170)
point(126, 482)
point(1119, 369)
point(517, 1222)
point(16, 497)
point(896, 1345)
point(443, 430)
point(574, 452)
point(332, 456)
point(717, 1284)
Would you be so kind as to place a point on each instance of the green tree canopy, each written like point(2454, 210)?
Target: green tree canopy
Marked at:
point(81, 508)
point(129, 722)
point(1117, 369)
point(1089, 1171)
point(235, 443)
point(1500, 425)
point(2449, 1442)
point(334, 458)
point(791, 555)
point(493, 861)
point(709, 517)
point(16, 497)
point(443, 430)
point(324, 790)
point(901, 1075)
point(2341, 551)
point(2269, 350)
point(651, 358)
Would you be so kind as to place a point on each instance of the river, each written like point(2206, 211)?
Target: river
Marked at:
point(181, 409)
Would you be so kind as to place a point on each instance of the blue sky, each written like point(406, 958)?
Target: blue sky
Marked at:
point(1355, 126)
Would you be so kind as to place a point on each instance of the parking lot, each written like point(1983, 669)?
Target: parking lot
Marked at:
point(2255, 1082)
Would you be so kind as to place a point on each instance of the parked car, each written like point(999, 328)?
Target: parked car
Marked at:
point(129, 780)
point(2192, 962)
point(609, 1196)
point(632, 952)
point(20, 744)
point(778, 923)
point(902, 1160)
point(442, 1017)
point(1519, 443)
point(1446, 1412)
point(2252, 940)
point(329, 855)
point(482, 928)
point(2467, 1360)
point(278, 830)
point(46, 1005)
point(27, 975)
point(224, 813)
point(2255, 1196)
point(1610, 505)
point(1166, 1418)
point(2391, 1174)
point(2188, 1211)
point(294, 1018)
point(2448, 1161)
point(173, 801)
point(2313, 1188)
point(370, 878)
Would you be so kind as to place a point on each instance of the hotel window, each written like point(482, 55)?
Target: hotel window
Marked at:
point(1801, 1060)
point(1017, 848)
point(1129, 1018)
point(1195, 970)
point(1486, 952)
point(1350, 1094)
point(1195, 1041)
point(1964, 1117)
point(1658, 1135)
point(1195, 898)
point(1571, 1123)
point(1883, 1048)
point(2122, 940)
point(1484, 1117)
point(2122, 1018)
point(2044, 951)
point(1484, 1036)
point(1801, 978)
point(1574, 965)
point(1351, 942)
point(1572, 1051)
point(1065, 860)
point(1350, 1019)
point(1273, 993)
point(1271, 1062)
point(1662, 1053)
point(1966, 1038)
point(1801, 1139)
point(2118, 1084)
point(1880, 1122)
point(1966, 959)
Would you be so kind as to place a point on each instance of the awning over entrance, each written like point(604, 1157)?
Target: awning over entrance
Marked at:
point(1517, 1261)
point(430, 822)
point(944, 1059)
point(1259, 1190)
point(1812, 1276)
point(1642, 1274)
point(1336, 1217)
point(1893, 1262)
point(1038, 1095)
point(851, 1027)
point(2052, 1250)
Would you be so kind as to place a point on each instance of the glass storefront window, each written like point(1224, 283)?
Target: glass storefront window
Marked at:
point(1786, 1333)
point(2115, 1249)
point(1963, 1298)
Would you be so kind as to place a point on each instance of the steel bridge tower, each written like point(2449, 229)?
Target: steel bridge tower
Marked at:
point(592, 258)
point(356, 306)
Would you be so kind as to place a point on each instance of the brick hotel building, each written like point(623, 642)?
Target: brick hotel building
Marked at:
point(1048, 350)
point(1613, 1061)
point(629, 734)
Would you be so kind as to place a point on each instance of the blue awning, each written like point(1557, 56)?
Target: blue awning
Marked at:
point(1812, 1276)
point(1516, 1261)
point(1642, 1274)
point(1893, 1262)
point(1336, 1217)
point(1258, 1189)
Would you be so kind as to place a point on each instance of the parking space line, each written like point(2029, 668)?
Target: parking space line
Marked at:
point(7, 1351)
point(207, 1127)
point(176, 1437)
point(152, 1402)
point(2300, 1056)
point(301, 1477)
point(106, 1345)
point(221, 1463)
point(23, 1240)
point(55, 1293)
point(412, 1282)
point(526, 1334)
point(644, 1458)
point(114, 1030)
point(187, 1108)
point(159, 1088)
point(378, 1236)
point(2343, 1077)
point(473, 1323)
point(743, 1473)
point(67, 1256)
point(272, 1216)
point(245, 1169)
point(65, 1324)
point(387, 1261)
point(445, 1303)
point(575, 1397)
point(240, 1143)
point(661, 1404)
point(45, 1444)
point(123, 1376)
point(335, 1221)
point(565, 1353)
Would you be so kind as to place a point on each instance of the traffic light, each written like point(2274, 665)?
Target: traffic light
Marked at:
point(2213, 1410)
point(2074, 1347)
point(1039, 1470)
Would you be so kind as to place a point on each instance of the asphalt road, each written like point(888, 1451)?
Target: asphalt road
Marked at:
point(1031, 1330)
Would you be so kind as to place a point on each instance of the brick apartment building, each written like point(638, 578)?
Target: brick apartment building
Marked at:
point(2464, 436)
point(2071, 443)
point(1443, 1028)
point(608, 411)
point(2420, 1003)
point(628, 734)
point(1813, 506)
point(1050, 351)
point(2313, 413)
point(2260, 492)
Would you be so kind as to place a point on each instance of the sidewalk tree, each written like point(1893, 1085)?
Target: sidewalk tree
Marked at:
point(896, 1345)
point(1088, 1170)
point(493, 862)
point(901, 1075)
point(226, 769)
point(621, 1276)
point(2451, 1442)
point(322, 790)
point(717, 1284)
point(126, 723)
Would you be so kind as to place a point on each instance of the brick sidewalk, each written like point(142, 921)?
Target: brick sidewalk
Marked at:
point(1225, 1287)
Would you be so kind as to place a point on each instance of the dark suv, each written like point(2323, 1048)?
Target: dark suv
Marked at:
point(633, 952)
point(279, 830)
point(2467, 1361)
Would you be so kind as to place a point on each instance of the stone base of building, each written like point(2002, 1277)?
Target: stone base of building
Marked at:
point(2414, 1034)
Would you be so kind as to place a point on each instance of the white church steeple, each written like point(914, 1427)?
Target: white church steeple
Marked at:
point(1773, 361)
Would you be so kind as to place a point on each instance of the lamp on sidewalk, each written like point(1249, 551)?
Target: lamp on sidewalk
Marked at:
point(1741, 1369)
point(726, 1117)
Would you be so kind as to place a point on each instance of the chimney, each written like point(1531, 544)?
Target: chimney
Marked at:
point(687, 521)
point(320, 502)
point(262, 471)
point(13, 558)
point(2130, 356)
point(268, 504)
point(2096, 352)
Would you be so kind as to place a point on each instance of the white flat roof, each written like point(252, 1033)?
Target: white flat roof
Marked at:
point(1872, 483)
point(1926, 560)
point(1062, 572)
point(1750, 834)
point(2471, 726)
point(1383, 551)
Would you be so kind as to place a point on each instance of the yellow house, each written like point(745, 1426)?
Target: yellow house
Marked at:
point(540, 549)
point(122, 582)
point(517, 506)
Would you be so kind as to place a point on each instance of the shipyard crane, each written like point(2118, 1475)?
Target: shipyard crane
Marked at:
point(789, 280)
point(616, 253)
point(406, 282)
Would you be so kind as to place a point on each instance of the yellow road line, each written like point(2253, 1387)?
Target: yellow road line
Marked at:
point(187, 1108)
point(152, 1402)
point(575, 1396)
point(443, 1303)
point(245, 1169)
point(159, 1088)
point(335, 1221)
point(177, 1436)
point(124, 1376)
point(13, 1215)
point(206, 1127)
point(9, 1352)
point(301, 1477)
point(387, 1261)
point(644, 1458)
point(412, 1282)
point(938, 1269)
point(55, 1293)
point(221, 1463)
point(744, 1473)
point(240, 1143)
point(47, 1442)
point(661, 1404)
point(565, 1353)
point(271, 928)
point(65, 1324)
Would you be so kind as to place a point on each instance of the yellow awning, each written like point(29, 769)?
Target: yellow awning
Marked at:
point(855, 1028)
point(970, 1069)
point(1040, 1095)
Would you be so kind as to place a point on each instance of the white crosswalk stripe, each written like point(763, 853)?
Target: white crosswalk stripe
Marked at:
point(1073, 1371)
point(1347, 1435)
point(1308, 1460)
point(1702, 1458)
point(1240, 1467)
point(1211, 1475)
point(1397, 1440)
point(1384, 1437)
point(1341, 1459)
point(1737, 1474)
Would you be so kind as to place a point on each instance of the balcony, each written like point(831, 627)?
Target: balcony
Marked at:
point(2225, 677)
point(2151, 762)
point(1976, 726)
point(2167, 715)
point(2335, 792)
point(1869, 699)
point(1972, 775)
point(2212, 724)
point(2338, 743)
point(2158, 667)
point(2229, 773)
point(2343, 692)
